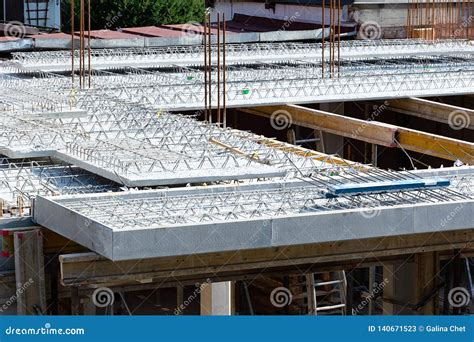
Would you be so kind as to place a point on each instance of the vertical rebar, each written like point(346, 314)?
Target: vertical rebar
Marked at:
point(89, 40)
point(209, 52)
point(224, 70)
point(339, 38)
point(80, 41)
point(218, 68)
point(72, 42)
point(331, 33)
point(323, 62)
point(204, 40)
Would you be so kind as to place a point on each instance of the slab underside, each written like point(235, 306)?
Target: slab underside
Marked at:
point(128, 243)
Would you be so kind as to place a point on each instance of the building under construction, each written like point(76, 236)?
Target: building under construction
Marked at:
point(298, 160)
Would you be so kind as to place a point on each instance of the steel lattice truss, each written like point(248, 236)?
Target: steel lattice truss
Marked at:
point(20, 181)
point(139, 147)
point(240, 53)
point(162, 209)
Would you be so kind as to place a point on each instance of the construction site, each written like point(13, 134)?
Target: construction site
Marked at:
point(276, 158)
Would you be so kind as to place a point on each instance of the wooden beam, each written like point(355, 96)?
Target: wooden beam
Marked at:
point(29, 272)
point(436, 145)
point(90, 268)
point(431, 110)
point(369, 131)
point(427, 269)
point(376, 132)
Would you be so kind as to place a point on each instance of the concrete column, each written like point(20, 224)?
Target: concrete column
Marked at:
point(217, 299)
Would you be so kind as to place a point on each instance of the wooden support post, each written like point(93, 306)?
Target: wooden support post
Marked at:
point(75, 301)
point(179, 298)
point(371, 288)
point(29, 273)
point(427, 279)
point(217, 299)
point(388, 307)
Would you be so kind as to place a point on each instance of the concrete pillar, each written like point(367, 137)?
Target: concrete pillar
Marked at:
point(217, 299)
point(333, 144)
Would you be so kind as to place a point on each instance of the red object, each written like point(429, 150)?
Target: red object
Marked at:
point(154, 31)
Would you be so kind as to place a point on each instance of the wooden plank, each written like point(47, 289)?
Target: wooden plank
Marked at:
point(90, 268)
point(29, 272)
point(376, 132)
point(436, 145)
point(369, 131)
point(52, 242)
point(427, 268)
point(431, 110)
